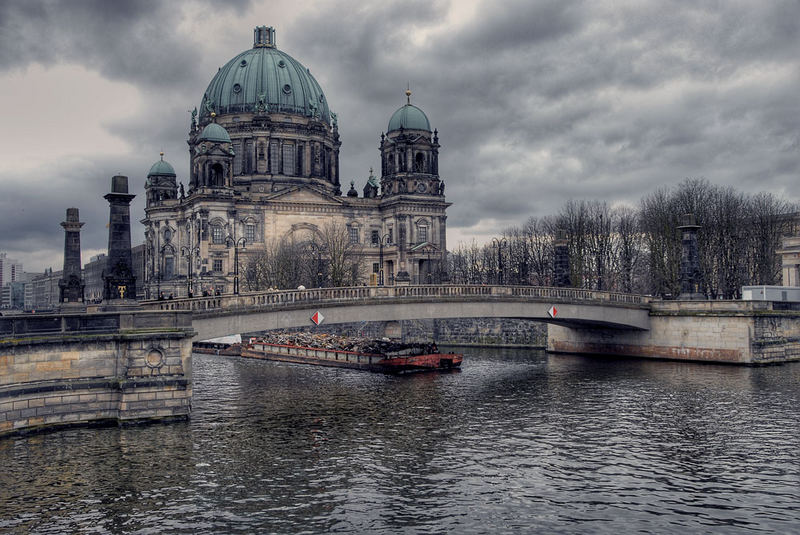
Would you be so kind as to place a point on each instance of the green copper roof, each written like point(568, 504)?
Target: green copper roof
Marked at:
point(409, 117)
point(161, 168)
point(267, 80)
point(214, 132)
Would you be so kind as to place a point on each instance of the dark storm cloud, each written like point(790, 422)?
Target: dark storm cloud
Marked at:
point(135, 41)
point(535, 102)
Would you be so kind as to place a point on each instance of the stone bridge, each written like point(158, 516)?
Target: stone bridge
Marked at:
point(250, 312)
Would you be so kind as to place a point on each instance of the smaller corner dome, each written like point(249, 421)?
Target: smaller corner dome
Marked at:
point(214, 132)
point(161, 168)
point(409, 117)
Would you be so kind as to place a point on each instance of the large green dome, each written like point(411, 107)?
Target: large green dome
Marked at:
point(264, 79)
point(409, 117)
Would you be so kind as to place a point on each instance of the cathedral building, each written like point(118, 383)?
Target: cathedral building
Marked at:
point(264, 166)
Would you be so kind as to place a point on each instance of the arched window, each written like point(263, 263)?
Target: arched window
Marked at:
point(419, 163)
point(217, 234)
point(217, 175)
point(390, 169)
point(168, 262)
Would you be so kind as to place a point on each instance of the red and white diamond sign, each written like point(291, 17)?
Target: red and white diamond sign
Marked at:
point(553, 311)
point(317, 317)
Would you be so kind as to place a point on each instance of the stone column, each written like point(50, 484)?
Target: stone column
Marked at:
point(71, 285)
point(561, 277)
point(690, 260)
point(402, 278)
point(119, 282)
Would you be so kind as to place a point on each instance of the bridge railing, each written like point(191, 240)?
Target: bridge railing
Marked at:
point(360, 293)
point(32, 325)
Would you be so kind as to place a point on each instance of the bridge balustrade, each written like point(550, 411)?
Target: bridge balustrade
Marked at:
point(348, 294)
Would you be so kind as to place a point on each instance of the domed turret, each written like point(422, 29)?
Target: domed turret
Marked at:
point(215, 133)
point(267, 80)
point(161, 168)
point(161, 183)
point(410, 154)
point(409, 117)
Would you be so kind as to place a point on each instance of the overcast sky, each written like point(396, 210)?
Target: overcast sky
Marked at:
point(536, 102)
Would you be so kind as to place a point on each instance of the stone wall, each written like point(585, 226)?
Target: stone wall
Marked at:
point(462, 332)
point(76, 377)
point(737, 332)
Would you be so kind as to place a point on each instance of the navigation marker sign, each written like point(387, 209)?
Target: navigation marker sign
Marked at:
point(553, 311)
point(317, 318)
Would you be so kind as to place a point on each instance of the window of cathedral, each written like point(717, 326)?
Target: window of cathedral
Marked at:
point(217, 236)
point(247, 158)
point(376, 267)
point(390, 235)
point(167, 235)
point(237, 157)
point(353, 234)
point(419, 163)
point(217, 265)
point(274, 157)
point(169, 267)
point(375, 238)
point(217, 175)
point(250, 232)
point(288, 159)
point(422, 234)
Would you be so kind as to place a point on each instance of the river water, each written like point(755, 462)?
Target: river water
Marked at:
point(517, 442)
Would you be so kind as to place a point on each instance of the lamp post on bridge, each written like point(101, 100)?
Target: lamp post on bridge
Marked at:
point(190, 252)
point(236, 243)
point(499, 243)
point(317, 249)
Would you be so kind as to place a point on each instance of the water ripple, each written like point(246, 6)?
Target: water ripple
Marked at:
point(516, 442)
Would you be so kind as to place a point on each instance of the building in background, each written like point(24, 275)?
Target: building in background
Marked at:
point(264, 167)
point(10, 270)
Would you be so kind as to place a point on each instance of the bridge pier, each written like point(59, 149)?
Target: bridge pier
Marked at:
point(734, 332)
point(69, 369)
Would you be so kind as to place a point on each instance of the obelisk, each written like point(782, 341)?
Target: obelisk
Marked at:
point(71, 284)
point(119, 282)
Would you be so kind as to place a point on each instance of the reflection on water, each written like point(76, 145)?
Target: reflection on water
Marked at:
point(516, 441)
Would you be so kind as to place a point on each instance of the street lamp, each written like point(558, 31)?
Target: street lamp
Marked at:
point(317, 249)
point(190, 252)
point(241, 242)
point(385, 238)
point(499, 243)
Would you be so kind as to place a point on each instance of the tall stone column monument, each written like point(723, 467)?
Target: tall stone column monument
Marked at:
point(119, 282)
point(690, 260)
point(71, 284)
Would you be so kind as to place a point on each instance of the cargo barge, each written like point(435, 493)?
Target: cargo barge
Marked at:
point(410, 358)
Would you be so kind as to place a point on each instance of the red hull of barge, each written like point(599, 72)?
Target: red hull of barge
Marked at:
point(435, 361)
point(353, 360)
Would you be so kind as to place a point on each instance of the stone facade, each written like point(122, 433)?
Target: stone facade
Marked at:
point(264, 167)
point(76, 369)
point(469, 332)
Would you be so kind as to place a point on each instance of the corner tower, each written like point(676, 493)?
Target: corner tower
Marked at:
point(410, 154)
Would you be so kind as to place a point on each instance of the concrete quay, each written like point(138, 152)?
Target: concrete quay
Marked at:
point(109, 367)
point(731, 332)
